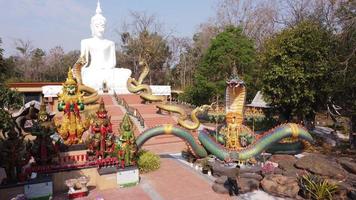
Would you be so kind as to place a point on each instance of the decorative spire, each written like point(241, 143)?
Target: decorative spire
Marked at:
point(102, 107)
point(98, 8)
point(70, 80)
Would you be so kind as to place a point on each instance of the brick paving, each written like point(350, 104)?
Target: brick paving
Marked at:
point(172, 181)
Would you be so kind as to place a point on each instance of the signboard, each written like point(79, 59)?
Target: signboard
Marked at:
point(127, 177)
point(37, 190)
point(164, 90)
point(51, 90)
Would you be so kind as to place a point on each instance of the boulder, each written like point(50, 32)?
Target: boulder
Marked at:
point(320, 165)
point(220, 188)
point(255, 169)
point(294, 172)
point(284, 161)
point(280, 185)
point(247, 185)
point(221, 180)
point(348, 164)
point(221, 170)
point(251, 176)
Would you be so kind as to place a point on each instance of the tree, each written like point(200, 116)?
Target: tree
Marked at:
point(3, 69)
point(57, 63)
point(298, 64)
point(37, 64)
point(9, 100)
point(230, 49)
point(258, 19)
point(145, 38)
point(344, 85)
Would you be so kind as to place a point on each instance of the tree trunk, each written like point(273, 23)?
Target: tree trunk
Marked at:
point(352, 134)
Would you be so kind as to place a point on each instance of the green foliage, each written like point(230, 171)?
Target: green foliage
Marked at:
point(315, 187)
point(263, 124)
point(148, 161)
point(9, 100)
point(229, 49)
point(298, 63)
point(151, 46)
point(344, 86)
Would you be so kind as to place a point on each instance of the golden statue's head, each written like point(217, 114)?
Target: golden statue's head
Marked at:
point(233, 118)
point(70, 85)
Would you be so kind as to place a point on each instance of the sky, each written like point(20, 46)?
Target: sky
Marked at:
point(50, 23)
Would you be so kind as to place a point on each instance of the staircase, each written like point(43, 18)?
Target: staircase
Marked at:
point(159, 144)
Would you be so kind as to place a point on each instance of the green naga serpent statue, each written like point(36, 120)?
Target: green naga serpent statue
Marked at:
point(234, 141)
point(145, 92)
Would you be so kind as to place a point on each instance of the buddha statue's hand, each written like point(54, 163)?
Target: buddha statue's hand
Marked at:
point(81, 61)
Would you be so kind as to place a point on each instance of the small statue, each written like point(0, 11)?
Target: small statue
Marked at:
point(101, 141)
point(14, 153)
point(43, 149)
point(232, 136)
point(127, 149)
point(70, 101)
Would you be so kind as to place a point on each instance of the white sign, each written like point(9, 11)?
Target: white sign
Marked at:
point(127, 177)
point(38, 190)
point(51, 90)
point(164, 90)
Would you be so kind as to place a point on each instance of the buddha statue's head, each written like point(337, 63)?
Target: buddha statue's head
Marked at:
point(98, 23)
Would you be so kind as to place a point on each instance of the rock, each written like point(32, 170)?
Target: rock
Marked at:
point(351, 180)
point(284, 161)
point(278, 171)
point(348, 165)
point(254, 169)
point(342, 191)
point(320, 165)
point(221, 170)
point(247, 185)
point(220, 188)
point(280, 185)
point(221, 180)
point(294, 172)
point(251, 176)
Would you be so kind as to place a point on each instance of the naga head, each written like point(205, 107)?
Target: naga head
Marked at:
point(203, 108)
point(235, 82)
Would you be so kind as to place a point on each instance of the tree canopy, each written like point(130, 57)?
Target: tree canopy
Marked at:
point(228, 50)
point(298, 64)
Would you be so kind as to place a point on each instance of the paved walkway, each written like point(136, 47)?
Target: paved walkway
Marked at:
point(173, 181)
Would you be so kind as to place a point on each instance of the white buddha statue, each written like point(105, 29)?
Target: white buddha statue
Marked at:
point(99, 54)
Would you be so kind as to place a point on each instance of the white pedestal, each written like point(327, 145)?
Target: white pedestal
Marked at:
point(128, 177)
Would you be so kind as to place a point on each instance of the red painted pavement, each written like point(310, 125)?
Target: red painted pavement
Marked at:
point(174, 181)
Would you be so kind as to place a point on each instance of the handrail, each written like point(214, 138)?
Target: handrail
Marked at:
point(130, 110)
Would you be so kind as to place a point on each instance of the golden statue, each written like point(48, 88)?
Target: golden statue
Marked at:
point(70, 101)
point(233, 131)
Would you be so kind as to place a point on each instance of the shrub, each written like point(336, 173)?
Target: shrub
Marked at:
point(315, 187)
point(147, 161)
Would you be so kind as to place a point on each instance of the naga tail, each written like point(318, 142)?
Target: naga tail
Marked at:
point(168, 129)
point(267, 140)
